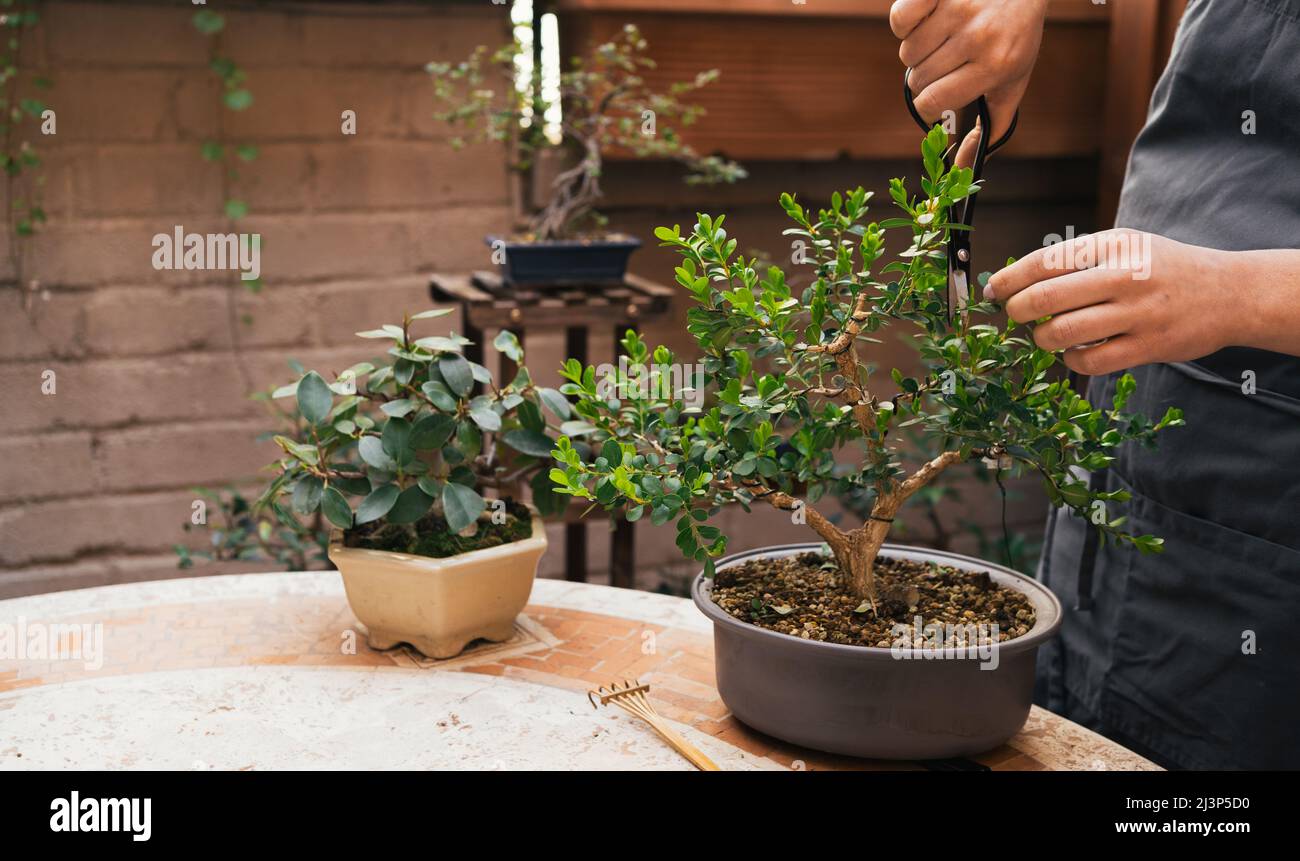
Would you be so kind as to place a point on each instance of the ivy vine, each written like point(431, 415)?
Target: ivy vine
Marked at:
point(235, 96)
point(24, 211)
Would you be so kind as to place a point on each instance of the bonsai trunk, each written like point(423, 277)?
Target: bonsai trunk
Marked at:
point(856, 550)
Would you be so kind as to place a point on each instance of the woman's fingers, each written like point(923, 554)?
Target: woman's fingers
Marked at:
point(1085, 326)
point(949, 92)
point(1063, 293)
point(1117, 354)
point(922, 42)
point(944, 60)
point(1050, 261)
point(906, 15)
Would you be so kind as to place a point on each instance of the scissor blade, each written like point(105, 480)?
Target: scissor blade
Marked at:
point(961, 289)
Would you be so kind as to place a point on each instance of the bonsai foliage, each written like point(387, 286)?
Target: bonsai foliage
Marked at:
point(792, 387)
point(429, 431)
point(606, 105)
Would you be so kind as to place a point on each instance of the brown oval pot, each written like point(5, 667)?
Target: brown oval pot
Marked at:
point(876, 702)
point(439, 606)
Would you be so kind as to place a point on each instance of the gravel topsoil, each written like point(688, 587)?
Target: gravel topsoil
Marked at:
point(807, 596)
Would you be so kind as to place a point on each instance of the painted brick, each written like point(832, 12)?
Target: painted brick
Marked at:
point(159, 182)
point(123, 35)
point(63, 530)
point(127, 105)
point(301, 104)
point(123, 391)
point(405, 39)
point(278, 180)
point(51, 328)
point(359, 175)
point(163, 457)
point(452, 240)
point(148, 321)
point(342, 310)
point(158, 321)
point(332, 246)
point(45, 465)
point(91, 253)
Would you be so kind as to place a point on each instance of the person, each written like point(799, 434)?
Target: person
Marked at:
point(1191, 656)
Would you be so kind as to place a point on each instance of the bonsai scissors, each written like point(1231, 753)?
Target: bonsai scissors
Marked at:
point(959, 252)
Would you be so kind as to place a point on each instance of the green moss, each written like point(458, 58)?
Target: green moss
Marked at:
point(429, 536)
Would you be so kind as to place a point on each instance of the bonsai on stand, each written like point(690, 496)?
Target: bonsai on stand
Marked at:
point(790, 388)
point(604, 105)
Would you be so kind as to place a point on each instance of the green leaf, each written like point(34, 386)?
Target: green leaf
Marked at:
point(457, 373)
point(397, 438)
point(313, 397)
point(399, 408)
point(336, 508)
point(236, 209)
point(440, 395)
point(556, 403)
point(208, 22)
point(377, 504)
point(238, 100)
point(307, 494)
point(528, 442)
point(486, 418)
point(411, 505)
point(612, 453)
point(530, 416)
point(506, 343)
point(372, 452)
point(461, 505)
point(435, 312)
point(432, 432)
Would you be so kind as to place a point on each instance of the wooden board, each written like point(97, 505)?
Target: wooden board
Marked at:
point(815, 87)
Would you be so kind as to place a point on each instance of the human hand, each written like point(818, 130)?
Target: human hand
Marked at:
point(959, 50)
point(1144, 297)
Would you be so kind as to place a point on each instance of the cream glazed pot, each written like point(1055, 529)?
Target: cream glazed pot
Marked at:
point(439, 605)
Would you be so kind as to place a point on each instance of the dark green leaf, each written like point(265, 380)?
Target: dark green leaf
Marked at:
point(412, 504)
point(528, 442)
point(462, 505)
point(457, 373)
point(377, 504)
point(336, 508)
point(314, 398)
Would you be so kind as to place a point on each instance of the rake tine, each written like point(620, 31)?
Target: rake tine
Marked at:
point(631, 698)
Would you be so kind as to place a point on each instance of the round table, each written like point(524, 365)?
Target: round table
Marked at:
point(271, 671)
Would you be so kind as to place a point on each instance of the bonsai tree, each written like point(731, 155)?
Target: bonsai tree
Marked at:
point(402, 455)
point(791, 387)
point(606, 105)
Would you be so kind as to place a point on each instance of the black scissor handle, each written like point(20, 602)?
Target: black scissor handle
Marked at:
point(982, 106)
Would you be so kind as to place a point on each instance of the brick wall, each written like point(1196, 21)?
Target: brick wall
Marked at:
point(150, 400)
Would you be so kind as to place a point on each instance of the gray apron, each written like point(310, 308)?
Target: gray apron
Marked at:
point(1193, 656)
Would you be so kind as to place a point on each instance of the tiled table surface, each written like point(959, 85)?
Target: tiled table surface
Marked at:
point(267, 671)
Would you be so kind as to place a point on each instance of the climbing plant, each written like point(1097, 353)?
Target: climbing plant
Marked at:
point(19, 112)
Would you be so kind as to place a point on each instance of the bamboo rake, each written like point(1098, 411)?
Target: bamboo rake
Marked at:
point(631, 698)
